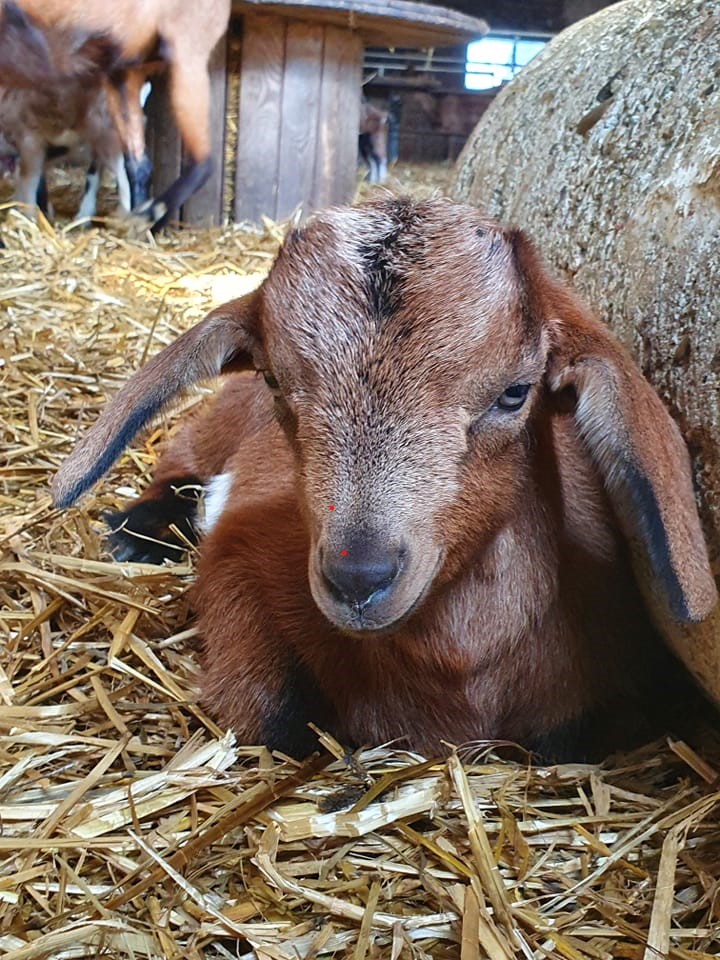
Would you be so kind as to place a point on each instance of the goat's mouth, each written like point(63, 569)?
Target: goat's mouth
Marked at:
point(386, 608)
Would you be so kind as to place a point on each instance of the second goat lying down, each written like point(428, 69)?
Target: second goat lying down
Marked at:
point(419, 520)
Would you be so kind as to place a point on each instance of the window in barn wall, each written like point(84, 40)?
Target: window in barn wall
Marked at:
point(494, 60)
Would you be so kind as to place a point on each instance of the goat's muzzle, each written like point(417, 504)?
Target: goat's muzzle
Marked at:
point(366, 584)
point(363, 574)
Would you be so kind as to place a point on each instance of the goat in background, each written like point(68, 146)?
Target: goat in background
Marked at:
point(451, 508)
point(51, 121)
point(373, 141)
point(116, 40)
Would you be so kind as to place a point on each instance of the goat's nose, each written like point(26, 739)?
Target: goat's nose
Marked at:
point(363, 569)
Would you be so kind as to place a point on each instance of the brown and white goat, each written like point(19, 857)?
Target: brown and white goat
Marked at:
point(122, 36)
point(423, 523)
point(373, 141)
point(63, 116)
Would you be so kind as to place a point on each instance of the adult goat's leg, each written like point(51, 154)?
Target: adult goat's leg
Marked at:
point(30, 188)
point(88, 204)
point(123, 97)
point(190, 100)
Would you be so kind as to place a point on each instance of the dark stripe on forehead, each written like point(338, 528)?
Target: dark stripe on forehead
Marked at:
point(387, 256)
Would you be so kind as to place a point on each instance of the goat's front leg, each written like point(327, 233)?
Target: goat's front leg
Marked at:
point(30, 174)
point(88, 204)
point(124, 105)
point(253, 601)
point(189, 87)
point(122, 180)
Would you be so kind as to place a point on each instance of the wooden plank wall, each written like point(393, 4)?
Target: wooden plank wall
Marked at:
point(298, 119)
point(300, 105)
point(258, 120)
point(338, 120)
point(429, 146)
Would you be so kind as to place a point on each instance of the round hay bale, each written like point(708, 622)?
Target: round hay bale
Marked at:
point(606, 150)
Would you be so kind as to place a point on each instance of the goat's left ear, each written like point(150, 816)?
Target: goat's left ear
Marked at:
point(635, 445)
point(223, 342)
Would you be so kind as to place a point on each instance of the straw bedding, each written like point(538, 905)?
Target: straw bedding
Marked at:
point(131, 825)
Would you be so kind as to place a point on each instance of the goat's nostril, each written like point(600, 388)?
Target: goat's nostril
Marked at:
point(355, 575)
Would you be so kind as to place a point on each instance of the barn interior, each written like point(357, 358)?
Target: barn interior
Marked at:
point(132, 824)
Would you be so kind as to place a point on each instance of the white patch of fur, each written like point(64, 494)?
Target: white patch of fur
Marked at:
point(215, 495)
point(123, 184)
point(88, 205)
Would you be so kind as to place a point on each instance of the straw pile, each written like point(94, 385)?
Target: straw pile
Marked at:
point(131, 826)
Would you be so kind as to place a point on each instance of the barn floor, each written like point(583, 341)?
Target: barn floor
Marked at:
point(132, 827)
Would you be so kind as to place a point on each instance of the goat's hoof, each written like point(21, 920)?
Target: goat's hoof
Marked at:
point(155, 212)
point(153, 531)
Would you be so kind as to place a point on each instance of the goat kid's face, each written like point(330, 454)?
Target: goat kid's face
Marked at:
point(403, 376)
point(412, 350)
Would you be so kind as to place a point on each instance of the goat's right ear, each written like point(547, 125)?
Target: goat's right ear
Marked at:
point(222, 342)
point(634, 444)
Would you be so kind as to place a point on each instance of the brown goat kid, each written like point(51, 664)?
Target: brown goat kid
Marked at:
point(115, 40)
point(421, 524)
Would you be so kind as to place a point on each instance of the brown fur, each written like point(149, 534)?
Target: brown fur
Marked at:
point(391, 330)
point(69, 112)
point(124, 34)
point(24, 55)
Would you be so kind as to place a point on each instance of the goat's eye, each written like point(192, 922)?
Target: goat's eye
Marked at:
point(270, 380)
point(514, 397)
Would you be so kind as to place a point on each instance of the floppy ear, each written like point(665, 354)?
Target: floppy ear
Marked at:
point(635, 445)
point(222, 342)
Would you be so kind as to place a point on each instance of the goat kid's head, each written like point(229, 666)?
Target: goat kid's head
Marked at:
point(413, 351)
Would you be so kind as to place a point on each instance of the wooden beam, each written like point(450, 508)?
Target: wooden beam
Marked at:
point(299, 116)
point(259, 112)
point(338, 119)
point(379, 22)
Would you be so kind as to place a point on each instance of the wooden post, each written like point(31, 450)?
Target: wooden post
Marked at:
point(298, 117)
point(258, 121)
point(338, 119)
